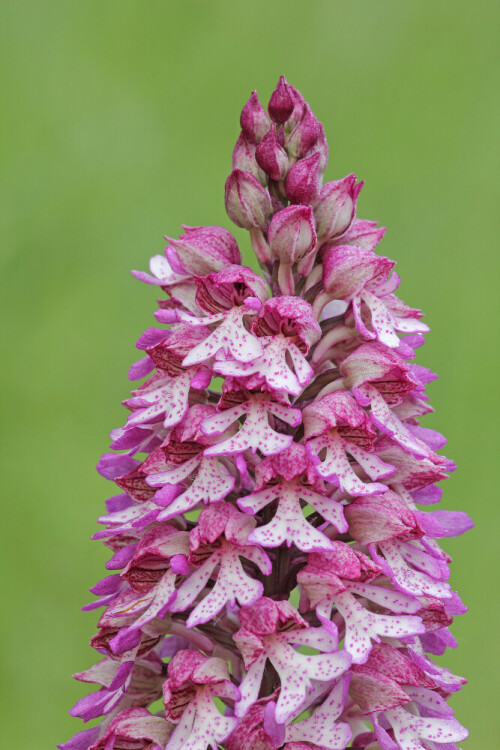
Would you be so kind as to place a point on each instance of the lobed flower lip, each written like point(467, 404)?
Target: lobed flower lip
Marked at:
point(268, 629)
point(273, 448)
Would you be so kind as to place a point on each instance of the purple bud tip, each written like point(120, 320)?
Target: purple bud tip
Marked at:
point(281, 103)
point(271, 157)
point(253, 119)
point(302, 184)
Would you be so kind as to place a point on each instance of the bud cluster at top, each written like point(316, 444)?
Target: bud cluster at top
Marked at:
point(276, 579)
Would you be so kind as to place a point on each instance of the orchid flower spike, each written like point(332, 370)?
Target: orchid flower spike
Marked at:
point(276, 579)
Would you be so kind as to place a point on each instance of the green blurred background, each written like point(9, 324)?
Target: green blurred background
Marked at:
point(119, 119)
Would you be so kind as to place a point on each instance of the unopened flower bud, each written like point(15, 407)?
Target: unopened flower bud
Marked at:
point(281, 103)
point(304, 135)
point(303, 180)
point(291, 237)
point(248, 204)
point(244, 158)
point(271, 157)
point(291, 234)
point(336, 207)
point(253, 119)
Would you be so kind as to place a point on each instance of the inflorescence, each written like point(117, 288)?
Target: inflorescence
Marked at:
point(273, 583)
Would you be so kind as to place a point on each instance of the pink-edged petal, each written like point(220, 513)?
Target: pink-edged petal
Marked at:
point(164, 593)
point(195, 584)
point(133, 516)
point(321, 728)
point(103, 673)
point(318, 638)
point(410, 730)
point(358, 318)
point(370, 462)
point(385, 419)
point(303, 369)
point(388, 598)
point(250, 686)
point(175, 475)
point(404, 577)
point(257, 500)
point(161, 273)
point(429, 700)
point(330, 509)
point(381, 319)
point(385, 741)
point(287, 414)
point(409, 325)
point(433, 564)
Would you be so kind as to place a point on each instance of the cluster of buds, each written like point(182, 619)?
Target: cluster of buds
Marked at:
point(274, 582)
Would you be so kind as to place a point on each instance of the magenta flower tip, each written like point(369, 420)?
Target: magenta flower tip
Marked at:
point(276, 579)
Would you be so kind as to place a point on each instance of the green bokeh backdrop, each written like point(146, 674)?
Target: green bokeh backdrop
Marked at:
point(119, 122)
